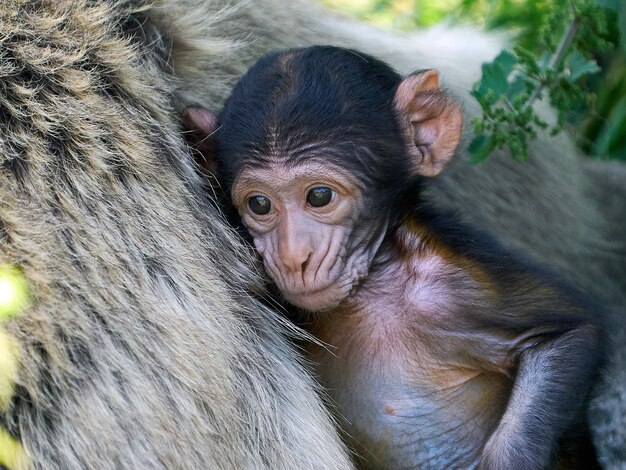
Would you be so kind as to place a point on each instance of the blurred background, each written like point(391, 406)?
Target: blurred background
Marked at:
point(599, 125)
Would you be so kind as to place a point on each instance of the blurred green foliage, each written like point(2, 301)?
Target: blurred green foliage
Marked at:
point(592, 106)
point(555, 72)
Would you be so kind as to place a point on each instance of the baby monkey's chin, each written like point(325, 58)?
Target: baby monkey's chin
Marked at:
point(321, 300)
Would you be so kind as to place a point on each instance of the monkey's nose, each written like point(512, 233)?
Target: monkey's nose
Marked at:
point(297, 261)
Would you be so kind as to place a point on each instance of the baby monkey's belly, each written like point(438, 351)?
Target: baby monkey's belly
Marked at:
point(395, 422)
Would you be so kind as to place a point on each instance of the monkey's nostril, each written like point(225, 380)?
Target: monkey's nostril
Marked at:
point(306, 262)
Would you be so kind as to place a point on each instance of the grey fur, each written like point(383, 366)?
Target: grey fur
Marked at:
point(142, 348)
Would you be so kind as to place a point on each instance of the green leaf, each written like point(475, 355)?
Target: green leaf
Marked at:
point(516, 88)
point(544, 61)
point(612, 4)
point(495, 78)
point(619, 6)
point(481, 147)
point(611, 137)
point(578, 65)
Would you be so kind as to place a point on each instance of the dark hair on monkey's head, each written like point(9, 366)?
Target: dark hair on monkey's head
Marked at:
point(320, 102)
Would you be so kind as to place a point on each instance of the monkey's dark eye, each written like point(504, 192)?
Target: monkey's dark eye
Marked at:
point(260, 205)
point(319, 197)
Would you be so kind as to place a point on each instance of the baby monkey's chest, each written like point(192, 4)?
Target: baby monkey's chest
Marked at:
point(402, 403)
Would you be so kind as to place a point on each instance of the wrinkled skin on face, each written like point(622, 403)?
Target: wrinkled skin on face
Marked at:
point(316, 251)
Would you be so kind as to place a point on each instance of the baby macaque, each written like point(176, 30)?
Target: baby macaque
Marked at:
point(445, 350)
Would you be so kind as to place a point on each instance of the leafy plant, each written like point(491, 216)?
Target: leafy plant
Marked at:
point(524, 75)
point(515, 80)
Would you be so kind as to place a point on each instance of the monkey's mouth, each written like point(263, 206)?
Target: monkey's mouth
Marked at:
point(317, 293)
point(318, 299)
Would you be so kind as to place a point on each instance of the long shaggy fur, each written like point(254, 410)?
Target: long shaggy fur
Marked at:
point(142, 347)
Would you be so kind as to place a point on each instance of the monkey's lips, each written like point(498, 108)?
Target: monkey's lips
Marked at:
point(317, 299)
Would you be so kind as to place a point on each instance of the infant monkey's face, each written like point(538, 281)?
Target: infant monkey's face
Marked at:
point(304, 219)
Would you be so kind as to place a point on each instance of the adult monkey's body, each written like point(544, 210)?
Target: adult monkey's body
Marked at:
point(542, 206)
point(140, 348)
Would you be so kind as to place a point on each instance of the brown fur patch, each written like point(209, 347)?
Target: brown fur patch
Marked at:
point(414, 239)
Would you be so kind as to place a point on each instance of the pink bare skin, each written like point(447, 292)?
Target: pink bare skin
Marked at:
point(426, 398)
point(313, 254)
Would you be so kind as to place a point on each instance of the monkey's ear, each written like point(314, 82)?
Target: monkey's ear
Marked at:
point(201, 124)
point(432, 121)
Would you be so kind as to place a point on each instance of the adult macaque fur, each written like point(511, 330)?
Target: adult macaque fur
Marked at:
point(446, 351)
point(139, 349)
